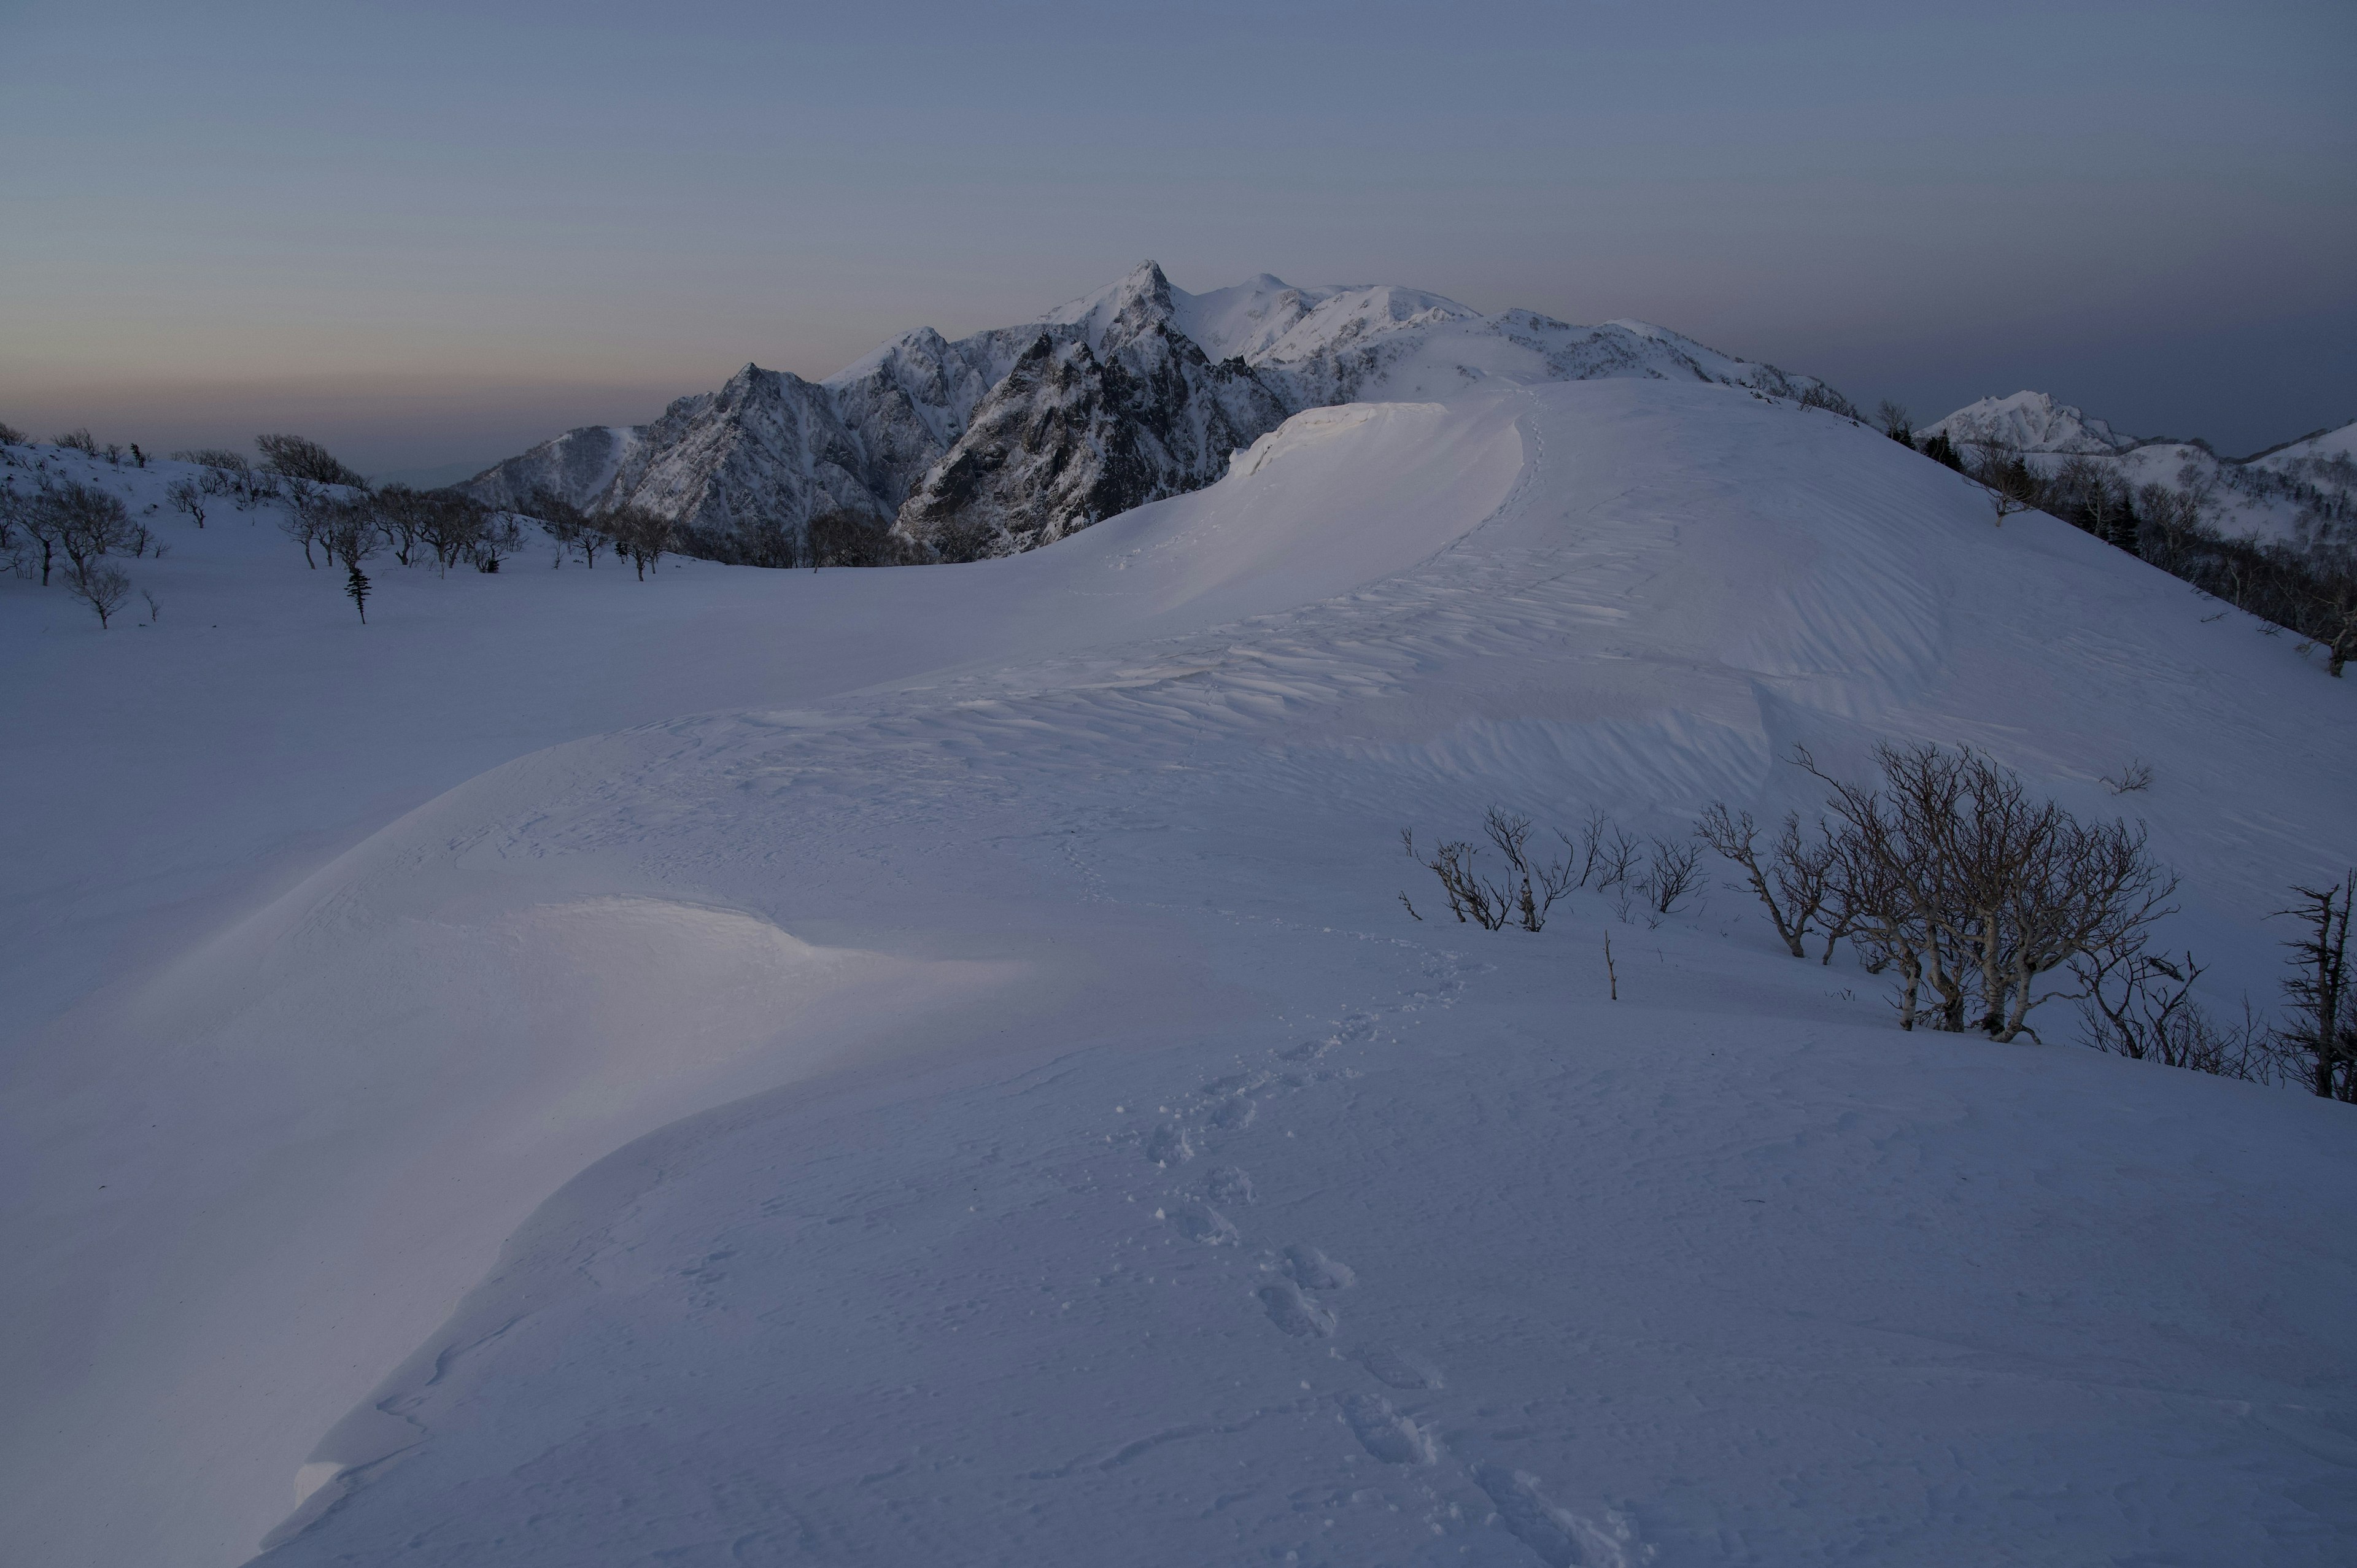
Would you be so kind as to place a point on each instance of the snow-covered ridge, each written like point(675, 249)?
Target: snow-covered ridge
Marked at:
point(1081, 1143)
point(1013, 437)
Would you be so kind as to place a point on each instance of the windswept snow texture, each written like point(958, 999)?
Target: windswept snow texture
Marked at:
point(930, 1065)
point(2271, 498)
point(1015, 437)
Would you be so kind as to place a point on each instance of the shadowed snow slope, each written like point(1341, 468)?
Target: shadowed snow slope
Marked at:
point(969, 1091)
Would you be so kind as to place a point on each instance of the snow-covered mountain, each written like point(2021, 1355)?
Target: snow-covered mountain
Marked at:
point(2270, 497)
point(1014, 437)
point(2031, 422)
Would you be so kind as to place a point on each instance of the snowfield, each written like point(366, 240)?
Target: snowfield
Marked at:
point(931, 1064)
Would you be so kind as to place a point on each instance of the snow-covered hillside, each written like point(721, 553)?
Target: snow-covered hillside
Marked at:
point(930, 1065)
point(2256, 498)
point(1017, 436)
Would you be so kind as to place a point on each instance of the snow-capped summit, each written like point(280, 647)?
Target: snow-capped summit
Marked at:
point(1016, 436)
point(2031, 422)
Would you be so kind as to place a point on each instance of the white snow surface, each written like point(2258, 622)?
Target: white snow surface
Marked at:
point(929, 1064)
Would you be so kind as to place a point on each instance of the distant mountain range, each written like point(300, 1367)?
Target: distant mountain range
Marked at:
point(2270, 495)
point(1017, 436)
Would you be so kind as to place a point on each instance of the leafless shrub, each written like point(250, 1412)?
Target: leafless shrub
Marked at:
point(101, 585)
point(2136, 775)
point(2139, 1003)
point(1469, 896)
point(188, 496)
point(225, 459)
point(1974, 893)
point(1521, 895)
point(1795, 882)
point(1617, 855)
point(155, 607)
point(80, 441)
point(295, 457)
point(569, 526)
point(1670, 873)
point(10, 436)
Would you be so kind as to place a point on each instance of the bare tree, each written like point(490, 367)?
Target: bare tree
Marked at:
point(101, 585)
point(1895, 422)
point(2321, 1039)
point(38, 521)
point(186, 496)
point(308, 511)
point(643, 536)
point(1471, 897)
point(450, 525)
point(404, 515)
point(90, 523)
point(498, 535)
point(298, 458)
point(352, 533)
point(1793, 883)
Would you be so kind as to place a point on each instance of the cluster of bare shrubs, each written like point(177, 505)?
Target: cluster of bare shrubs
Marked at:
point(83, 441)
point(1983, 904)
point(847, 538)
point(74, 533)
point(228, 477)
point(1654, 876)
point(633, 533)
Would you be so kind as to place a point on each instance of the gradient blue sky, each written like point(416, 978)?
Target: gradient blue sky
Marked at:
point(430, 234)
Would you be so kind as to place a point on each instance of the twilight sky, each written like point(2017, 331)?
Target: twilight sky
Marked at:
point(431, 234)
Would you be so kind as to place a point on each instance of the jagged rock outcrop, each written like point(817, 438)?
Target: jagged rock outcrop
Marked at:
point(1097, 416)
point(1017, 436)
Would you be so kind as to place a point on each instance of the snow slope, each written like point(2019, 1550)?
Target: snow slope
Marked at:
point(942, 1054)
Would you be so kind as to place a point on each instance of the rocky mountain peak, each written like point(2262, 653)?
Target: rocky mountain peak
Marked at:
point(1013, 437)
